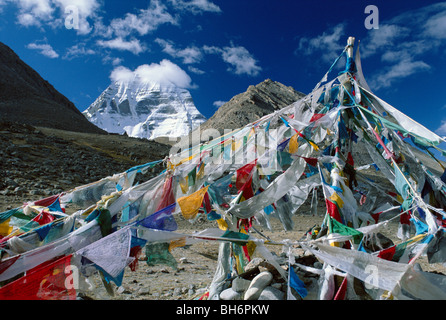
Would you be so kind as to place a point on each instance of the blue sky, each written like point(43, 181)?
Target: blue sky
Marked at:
point(217, 48)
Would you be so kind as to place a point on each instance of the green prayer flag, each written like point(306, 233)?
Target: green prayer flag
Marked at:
point(191, 177)
point(158, 253)
point(342, 229)
point(236, 235)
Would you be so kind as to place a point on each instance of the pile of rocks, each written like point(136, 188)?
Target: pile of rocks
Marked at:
point(262, 281)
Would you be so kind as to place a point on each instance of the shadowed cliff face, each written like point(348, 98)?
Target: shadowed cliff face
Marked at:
point(25, 97)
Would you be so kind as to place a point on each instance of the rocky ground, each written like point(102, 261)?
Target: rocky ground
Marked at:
point(40, 162)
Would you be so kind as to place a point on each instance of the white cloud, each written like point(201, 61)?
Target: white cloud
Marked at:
point(85, 8)
point(44, 49)
point(402, 42)
point(147, 20)
point(189, 55)
point(435, 26)
point(398, 71)
point(196, 6)
point(387, 37)
point(164, 72)
point(328, 45)
point(442, 129)
point(34, 12)
point(241, 61)
point(195, 70)
point(52, 12)
point(121, 44)
point(218, 103)
point(78, 50)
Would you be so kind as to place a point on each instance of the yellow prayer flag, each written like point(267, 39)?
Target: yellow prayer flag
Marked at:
point(184, 185)
point(200, 173)
point(222, 224)
point(191, 204)
point(177, 243)
point(337, 199)
point(293, 144)
point(5, 229)
point(251, 247)
point(314, 146)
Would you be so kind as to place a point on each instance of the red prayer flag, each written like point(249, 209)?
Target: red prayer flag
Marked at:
point(244, 174)
point(44, 218)
point(167, 198)
point(333, 210)
point(47, 201)
point(387, 254)
point(47, 281)
point(340, 295)
point(317, 116)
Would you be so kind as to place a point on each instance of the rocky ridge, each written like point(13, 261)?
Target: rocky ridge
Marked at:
point(251, 105)
point(25, 97)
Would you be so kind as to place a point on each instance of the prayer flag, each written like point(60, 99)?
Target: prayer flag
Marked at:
point(161, 220)
point(190, 205)
point(168, 197)
point(293, 144)
point(48, 281)
point(158, 253)
point(297, 284)
point(43, 218)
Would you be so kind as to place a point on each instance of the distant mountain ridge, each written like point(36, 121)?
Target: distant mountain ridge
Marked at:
point(251, 105)
point(144, 109)
point(25, 97)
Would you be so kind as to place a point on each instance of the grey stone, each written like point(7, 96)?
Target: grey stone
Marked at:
point(260, 282)
point(240, 285)
point(230, 294)
point(271, 293)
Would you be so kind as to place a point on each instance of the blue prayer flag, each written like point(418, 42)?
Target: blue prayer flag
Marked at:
point(161, 220)
point(297, 284)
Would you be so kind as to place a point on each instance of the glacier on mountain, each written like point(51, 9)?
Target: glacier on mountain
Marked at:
point(145, 109)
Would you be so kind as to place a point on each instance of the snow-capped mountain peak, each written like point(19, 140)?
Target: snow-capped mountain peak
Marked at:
point(145, 109)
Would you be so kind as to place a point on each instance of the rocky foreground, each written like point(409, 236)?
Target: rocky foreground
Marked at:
point(40, 162)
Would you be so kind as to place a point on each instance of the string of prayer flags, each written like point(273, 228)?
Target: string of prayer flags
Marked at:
point(190, 205)
point(43, 218)
point(219, 189)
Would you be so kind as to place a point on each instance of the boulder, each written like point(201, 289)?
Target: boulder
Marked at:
point(271, 293)
point(260, 282)
point(240, 285)
point(229, 294)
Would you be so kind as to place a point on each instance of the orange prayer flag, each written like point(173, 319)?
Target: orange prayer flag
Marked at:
point(293, 145)
point(191, 204)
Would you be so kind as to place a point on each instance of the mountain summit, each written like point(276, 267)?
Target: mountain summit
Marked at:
point(145, 109)
point(25, 97)
point(251, 105)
